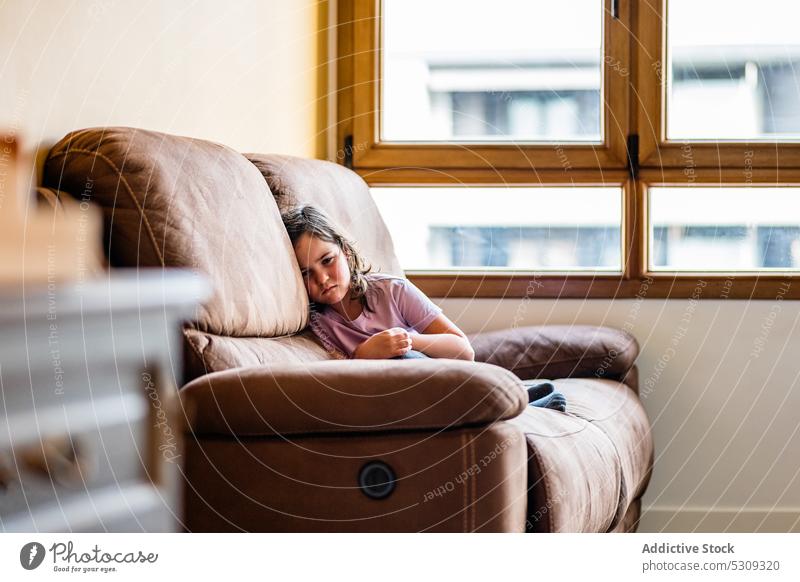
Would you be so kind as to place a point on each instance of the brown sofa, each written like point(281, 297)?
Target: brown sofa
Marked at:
point(279, 437)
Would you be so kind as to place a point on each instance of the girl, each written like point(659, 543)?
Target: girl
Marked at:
point(358, 314)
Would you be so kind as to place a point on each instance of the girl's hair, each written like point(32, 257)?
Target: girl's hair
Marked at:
point(309, 219)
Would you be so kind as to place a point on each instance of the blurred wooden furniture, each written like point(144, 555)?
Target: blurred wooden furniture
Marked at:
point(89, 438)
point(57, 240)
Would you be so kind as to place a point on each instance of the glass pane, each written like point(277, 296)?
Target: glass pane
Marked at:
point(734, 69)
point(504, 228)
point(725, 229)
point(471, 70)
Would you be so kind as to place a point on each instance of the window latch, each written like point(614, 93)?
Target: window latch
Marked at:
point(348, 152)
point(633, 155)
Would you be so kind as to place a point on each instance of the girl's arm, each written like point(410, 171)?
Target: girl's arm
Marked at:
point(443, 339)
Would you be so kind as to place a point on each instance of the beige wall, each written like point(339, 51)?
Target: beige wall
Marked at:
point(242, 73)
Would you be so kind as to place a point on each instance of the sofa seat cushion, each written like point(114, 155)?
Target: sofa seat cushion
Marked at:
point(618, 412)
point(208, 353)
point(585, 466)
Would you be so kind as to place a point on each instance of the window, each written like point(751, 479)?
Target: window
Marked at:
point(550, 229)
point(499, 72)
point(591, 144)
point(732, 70)
point(728, 229)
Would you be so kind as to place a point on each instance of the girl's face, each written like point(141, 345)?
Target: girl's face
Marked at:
point(324, 268)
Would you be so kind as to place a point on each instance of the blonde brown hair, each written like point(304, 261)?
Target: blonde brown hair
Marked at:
point(311, 220)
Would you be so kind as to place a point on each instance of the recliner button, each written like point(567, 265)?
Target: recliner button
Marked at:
point(377, 480)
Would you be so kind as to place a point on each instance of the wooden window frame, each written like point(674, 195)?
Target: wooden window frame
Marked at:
point(630, 158)
point(359, 71)
point(651, 95)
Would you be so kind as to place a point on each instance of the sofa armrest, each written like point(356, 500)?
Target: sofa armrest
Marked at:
point(558, 351)
point(351, 396)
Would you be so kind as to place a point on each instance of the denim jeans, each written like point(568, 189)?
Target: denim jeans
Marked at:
point(411, 355)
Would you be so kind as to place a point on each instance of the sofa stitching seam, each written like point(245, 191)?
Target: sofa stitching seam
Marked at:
point(571, 374)
point(623, 351)
point(563, 361)
point(464, 445)
point(195, 349)
point(619, 514)
point(352, 430)
point(503, 394)
point(474, 483)
point(128, 188)
point(540, 463)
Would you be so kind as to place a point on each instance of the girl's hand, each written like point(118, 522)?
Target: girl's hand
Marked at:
point(385, 344)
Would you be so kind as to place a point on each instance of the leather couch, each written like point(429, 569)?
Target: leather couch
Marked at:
point(280, 437)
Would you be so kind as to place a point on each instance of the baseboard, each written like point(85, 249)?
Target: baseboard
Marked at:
point(719, 520)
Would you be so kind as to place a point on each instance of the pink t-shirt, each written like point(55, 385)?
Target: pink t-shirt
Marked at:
point(395, 302)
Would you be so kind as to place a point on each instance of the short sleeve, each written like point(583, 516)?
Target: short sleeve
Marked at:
point(414, 306)
point(322, 331)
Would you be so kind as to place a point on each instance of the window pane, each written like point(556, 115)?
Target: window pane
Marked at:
point(725, 229)
point(471, 70)
point(504, 228)
point(734, 69)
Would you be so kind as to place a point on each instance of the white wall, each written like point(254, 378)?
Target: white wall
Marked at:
point(725, 406)
point(243, 73)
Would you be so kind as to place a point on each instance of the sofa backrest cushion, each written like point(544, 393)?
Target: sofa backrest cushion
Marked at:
point(340, 193)
point(172, 201)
